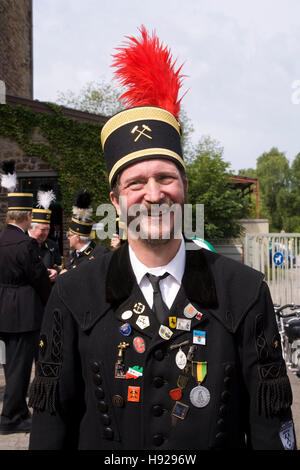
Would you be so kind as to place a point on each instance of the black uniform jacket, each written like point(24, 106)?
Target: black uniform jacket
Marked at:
point(88, 254)
point(49, 253)
point(80, 404)
point(24, 282)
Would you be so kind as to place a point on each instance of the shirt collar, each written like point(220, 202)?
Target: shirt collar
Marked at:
point(83, 248)
point(175, 267)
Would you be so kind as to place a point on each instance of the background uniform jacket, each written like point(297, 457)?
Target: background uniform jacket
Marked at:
point(24, 282)
point(79, 403)
point(49, 253)
point(89, 253)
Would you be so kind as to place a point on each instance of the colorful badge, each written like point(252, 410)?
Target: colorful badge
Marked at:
point(199, 337)
point(175, 394)
point(138, 308)
point(165, 332)
point(190, 311)
point(125, 329)
point(133, 394)
point(183, 324)
point(180, 410)
point(134, 372)
point(139, 344)
point(120, 372)
point(143, 321)
point(180, 359)
point(172, 322)
point(126, 315)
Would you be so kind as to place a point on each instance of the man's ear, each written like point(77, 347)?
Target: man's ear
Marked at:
point(115, 202)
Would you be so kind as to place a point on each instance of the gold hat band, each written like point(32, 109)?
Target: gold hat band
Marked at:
point(79, 233)
point(142, 113)
point(20, 194)
point(144, 153)
point(44, 211)
point(41, 221)
point(20, 209)
point(79, 222)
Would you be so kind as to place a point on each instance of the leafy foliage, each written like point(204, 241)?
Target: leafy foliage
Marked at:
point(209, 184)
point(72, 148)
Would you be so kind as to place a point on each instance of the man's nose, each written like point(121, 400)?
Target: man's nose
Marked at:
point(153, 191)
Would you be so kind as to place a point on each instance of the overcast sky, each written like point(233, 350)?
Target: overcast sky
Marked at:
point(242, 59)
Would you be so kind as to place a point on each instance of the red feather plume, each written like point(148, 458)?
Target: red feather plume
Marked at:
point(146, 69)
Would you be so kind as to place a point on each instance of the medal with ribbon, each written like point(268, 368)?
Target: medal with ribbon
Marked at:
point(199, 395)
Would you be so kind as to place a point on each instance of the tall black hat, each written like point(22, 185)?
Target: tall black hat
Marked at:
point(149, 128)
point(16, 201)
point(81, 223)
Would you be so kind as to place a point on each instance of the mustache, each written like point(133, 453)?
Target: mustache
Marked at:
point(151, 209)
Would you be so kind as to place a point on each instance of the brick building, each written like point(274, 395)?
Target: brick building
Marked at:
point(16, 68)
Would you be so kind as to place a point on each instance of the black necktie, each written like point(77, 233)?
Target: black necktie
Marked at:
point(159, 307)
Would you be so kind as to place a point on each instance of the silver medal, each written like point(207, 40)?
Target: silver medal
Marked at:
point(199, 396)
point(180, 359)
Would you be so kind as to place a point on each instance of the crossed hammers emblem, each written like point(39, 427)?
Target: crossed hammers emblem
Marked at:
point(141, 132)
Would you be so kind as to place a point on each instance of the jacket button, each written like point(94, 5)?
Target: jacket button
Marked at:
point(228, 370)
point(225, 396)
point(97, 379)
point(221, 424)
point(108, 433)
point(158, 382)
point(158, 439)
point(159, 355)
point(102, 406)
point(227, 381)
point(157, 410)
point(99, 392)
point(223, 410)
point(220, 438)
point(95, 367)
point(105, 419)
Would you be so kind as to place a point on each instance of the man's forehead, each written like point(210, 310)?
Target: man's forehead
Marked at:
point(43, 227)
point(149, 168)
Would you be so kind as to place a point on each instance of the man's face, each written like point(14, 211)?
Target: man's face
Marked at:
point(73, 240)
point(152, 184)
point(40, 232)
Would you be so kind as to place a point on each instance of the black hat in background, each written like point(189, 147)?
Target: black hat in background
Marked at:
point(15, 201)
point(81, 223)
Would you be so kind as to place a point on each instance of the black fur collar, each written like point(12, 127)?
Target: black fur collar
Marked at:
point(197, 281)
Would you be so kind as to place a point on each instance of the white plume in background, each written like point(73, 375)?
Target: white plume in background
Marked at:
point(9, 182)
point(44, 198)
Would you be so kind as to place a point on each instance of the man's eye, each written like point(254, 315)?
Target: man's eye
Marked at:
point(135, 184)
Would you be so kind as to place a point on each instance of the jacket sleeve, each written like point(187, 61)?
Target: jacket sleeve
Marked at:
point(35, 271)
point(55, 392)
point(264, 371)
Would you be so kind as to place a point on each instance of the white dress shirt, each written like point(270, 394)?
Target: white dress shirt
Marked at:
point(82, 249)
point(169, 286)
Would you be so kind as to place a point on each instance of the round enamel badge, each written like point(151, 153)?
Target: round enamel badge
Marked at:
point(139, 344)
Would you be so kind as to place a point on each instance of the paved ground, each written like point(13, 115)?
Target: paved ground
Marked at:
point(20, 441)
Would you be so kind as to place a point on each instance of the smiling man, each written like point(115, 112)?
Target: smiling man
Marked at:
point(154, 346)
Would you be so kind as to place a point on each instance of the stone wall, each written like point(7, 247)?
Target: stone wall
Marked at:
point(16, 68)
point(10, 150)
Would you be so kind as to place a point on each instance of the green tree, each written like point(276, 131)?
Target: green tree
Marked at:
point(274, 175)
point(95, 98)
point(210, 184)
point(291, 206)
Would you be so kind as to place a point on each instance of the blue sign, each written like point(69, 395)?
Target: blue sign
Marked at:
point(278, 258)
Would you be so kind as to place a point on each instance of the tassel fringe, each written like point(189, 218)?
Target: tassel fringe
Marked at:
point(274, 396)
point(43, 394)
